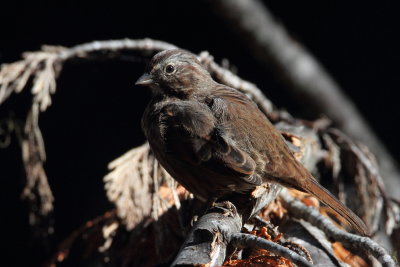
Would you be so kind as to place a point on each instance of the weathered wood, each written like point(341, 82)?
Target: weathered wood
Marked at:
point(207, 242)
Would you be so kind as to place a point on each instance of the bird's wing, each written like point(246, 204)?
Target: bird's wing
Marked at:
point(249, 128)
point(193, 135)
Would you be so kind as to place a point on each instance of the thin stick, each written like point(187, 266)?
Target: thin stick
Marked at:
point(355, 243)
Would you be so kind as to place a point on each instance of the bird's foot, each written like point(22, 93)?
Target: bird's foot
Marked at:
point(226, 206)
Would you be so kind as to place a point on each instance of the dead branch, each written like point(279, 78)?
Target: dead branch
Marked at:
point(37, 189)
point(246, 240)
point(303, 75)
point(355, 243)
point(207, 242)
point(209, 238)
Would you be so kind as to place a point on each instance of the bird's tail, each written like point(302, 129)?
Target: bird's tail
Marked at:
point(314, 188)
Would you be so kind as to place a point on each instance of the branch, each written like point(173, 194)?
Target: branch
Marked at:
point(43, 66)
point(37, 189)
point(208, 240)
point(273, 47)
point(247, 240)
point(355, 243)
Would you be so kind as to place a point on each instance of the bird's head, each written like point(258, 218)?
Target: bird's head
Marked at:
point(175, 72)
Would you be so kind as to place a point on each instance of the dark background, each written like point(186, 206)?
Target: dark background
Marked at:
point(96, 111)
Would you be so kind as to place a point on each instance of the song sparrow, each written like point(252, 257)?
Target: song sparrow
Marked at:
point(214, 140)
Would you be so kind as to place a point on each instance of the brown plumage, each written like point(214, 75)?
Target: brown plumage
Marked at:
point(214, 140)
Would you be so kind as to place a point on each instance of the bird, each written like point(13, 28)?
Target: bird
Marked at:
point(214, 140)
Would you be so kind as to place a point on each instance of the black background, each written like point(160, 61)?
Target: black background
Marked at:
point(96, 111)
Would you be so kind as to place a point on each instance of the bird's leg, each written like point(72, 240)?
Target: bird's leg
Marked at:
point(226, 206)
point(211, 203)
point(203, 209)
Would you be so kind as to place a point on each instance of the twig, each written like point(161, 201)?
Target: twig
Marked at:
point(83, 50)
point(247, 240)
point(37, 188)
point(271, 45)
point(355, 243)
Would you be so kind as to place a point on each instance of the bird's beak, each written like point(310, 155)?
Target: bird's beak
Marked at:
point(145, 79)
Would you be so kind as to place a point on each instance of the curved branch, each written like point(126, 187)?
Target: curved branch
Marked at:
point(247, 240)
point(146, 44)
point(355, 243)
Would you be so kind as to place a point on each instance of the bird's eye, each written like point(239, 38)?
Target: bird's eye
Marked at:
point(169, 69)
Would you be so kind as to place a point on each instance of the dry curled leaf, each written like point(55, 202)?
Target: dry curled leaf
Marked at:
point(347, 257)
